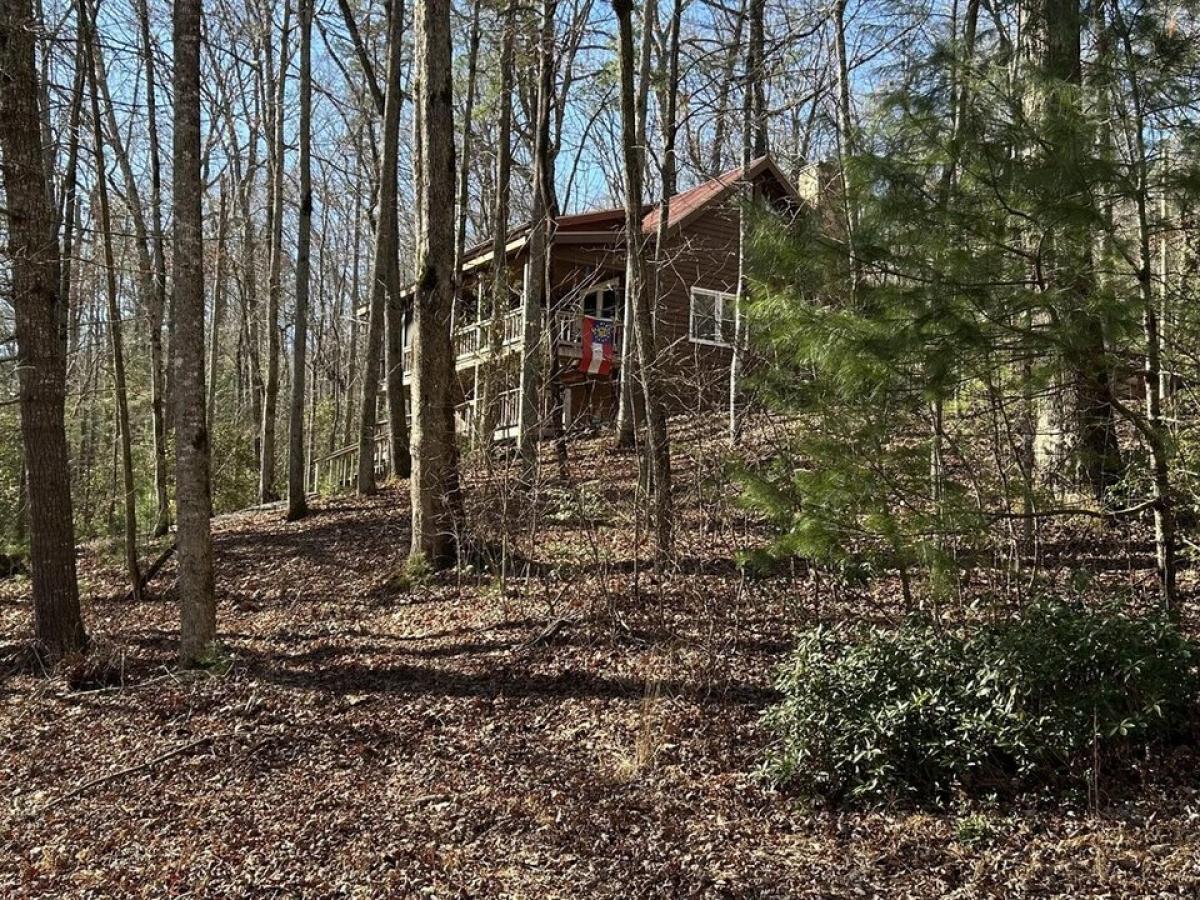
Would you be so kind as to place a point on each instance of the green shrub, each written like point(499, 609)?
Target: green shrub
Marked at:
point(923, 713)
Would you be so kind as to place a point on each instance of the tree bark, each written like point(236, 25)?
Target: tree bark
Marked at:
point(120, 391)
point(399, 454)
point(1079, 433)
point(198, 611)
point(39, 314)
point(297, 506)
point(266, 482)
point(656, 418)
point(492, 368)
point(435, 489)
point(754, 143)
point(218, 313)
point(536, 294)
point(464, 167)
point(364, 60)
point(158, 305)
point(626, 402)
point(385, 300)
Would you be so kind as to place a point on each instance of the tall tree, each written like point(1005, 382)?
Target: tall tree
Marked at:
point(658, 449)
point(151, 287)
point(754, 144)
point(266, 484)
point(384, 291)
point(40, 312)
point(218, 301)
point(464, 162)
point(116, 341)
point(398, 450)
point(159, 293)
point(1078, 430)
point(536, 295)
point(193, 501)
point(492, 373)
point(1151, 424)
point(296, 505)
point(627, 400)
point(435, 489)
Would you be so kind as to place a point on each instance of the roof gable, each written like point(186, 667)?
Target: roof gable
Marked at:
point(688, 204)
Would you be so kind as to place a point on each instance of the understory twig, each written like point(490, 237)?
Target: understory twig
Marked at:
point(129, 770)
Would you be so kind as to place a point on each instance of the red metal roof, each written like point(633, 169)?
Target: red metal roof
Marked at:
point(686, 204)
point(683, 206)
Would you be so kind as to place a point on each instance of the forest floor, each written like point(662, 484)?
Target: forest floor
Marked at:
point(576, 730)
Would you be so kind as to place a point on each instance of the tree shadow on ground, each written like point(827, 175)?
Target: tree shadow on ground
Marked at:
point(417, 680)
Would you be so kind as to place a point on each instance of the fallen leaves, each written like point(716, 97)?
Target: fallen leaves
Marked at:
point(452, 740)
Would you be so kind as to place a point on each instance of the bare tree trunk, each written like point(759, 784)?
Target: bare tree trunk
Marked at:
point(626, 403)
point(1154, 428)
point(670, 132)
point(198, 610)
point(464, 167)
point(434, 484)
point(352, 342)
point(656, 417)
point(486, 406)
point(39, 313)
point(536, 299)
point(151, 281)
point(120, 392)
point(721, 126)
point(846, 141)
point(214, 342)
point(266, 483)
point(70, 203)
point(1079, 431)
point(158, 305)
point(297, 507)
point(754, 143)
point(250, 311)
point(364, 60)
point(384, 273)
point(398, 450)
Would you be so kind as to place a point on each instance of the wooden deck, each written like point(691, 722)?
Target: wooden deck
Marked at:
point(338, 471)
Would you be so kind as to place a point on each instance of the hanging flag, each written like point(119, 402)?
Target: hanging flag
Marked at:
point(597, 339)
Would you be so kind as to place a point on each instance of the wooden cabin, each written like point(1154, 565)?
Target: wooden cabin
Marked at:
point(693, 313)
point(694, 310)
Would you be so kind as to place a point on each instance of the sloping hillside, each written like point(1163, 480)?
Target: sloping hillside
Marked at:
point(578, 727)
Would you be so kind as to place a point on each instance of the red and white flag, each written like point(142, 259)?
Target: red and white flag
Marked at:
point(597, 339)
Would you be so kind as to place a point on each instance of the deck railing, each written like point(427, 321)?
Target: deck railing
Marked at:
point(472, 340)
point(338, 471)
point(508, 412)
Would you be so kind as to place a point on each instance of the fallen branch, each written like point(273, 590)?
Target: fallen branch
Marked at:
point(547, 634)
point(1078, 511)
point(153, 568)
point(130, 770)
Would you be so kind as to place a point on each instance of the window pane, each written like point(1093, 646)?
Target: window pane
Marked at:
point(608, 304)
point(727, 319)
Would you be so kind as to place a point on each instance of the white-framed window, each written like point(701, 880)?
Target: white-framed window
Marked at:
point(604, 300)
point(711, 317)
